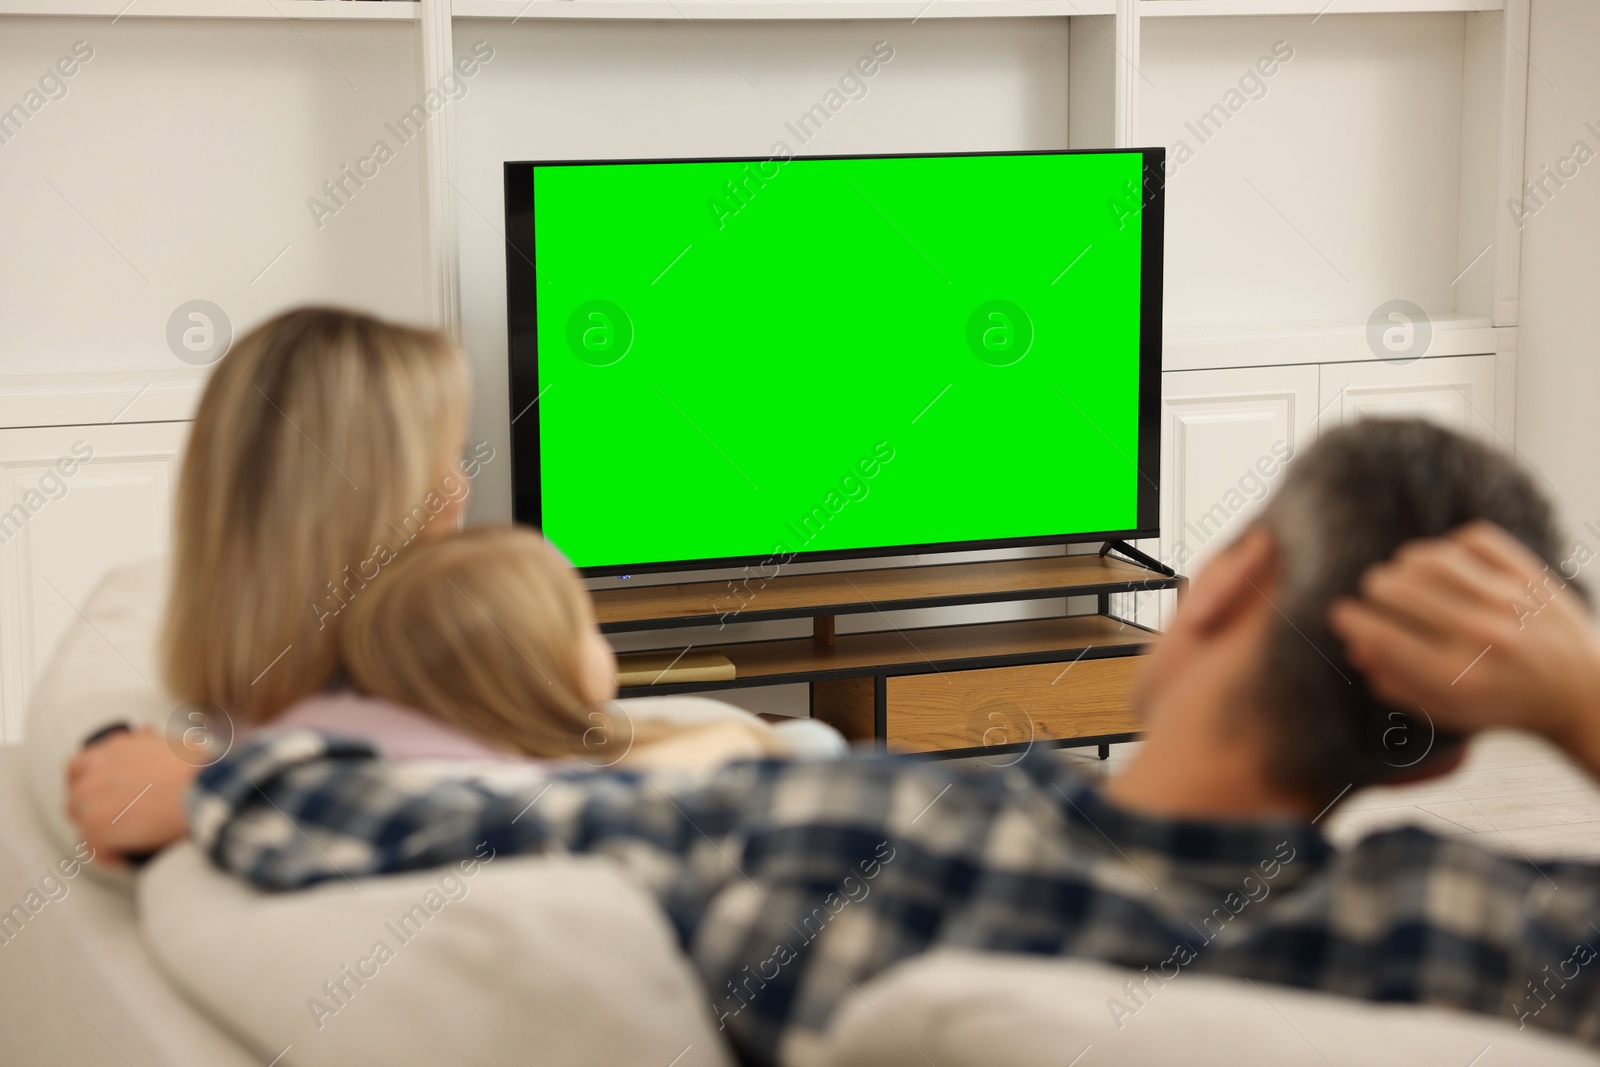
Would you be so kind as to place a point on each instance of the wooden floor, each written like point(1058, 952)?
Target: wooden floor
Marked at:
point(1515, 794)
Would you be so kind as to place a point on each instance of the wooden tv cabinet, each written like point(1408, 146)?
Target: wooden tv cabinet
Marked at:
point(949, 690)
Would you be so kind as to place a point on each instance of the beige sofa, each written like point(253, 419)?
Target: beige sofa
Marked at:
point(553, 961)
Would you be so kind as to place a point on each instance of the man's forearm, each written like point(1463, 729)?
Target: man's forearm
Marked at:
point(294, 808)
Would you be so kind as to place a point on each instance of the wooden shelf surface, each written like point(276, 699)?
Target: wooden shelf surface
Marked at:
point(851, 592)
point(935, 648)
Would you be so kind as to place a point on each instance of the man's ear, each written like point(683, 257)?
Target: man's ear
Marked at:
point(1237, 579)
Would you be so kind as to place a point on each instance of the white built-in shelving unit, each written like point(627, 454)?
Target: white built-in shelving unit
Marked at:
point(299, 10)
point(1375, 165)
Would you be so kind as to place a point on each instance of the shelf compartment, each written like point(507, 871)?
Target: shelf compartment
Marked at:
point(930, 649)
point(712, 10)
point(853, 592)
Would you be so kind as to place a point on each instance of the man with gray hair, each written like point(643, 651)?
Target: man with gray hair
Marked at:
point(791, 883)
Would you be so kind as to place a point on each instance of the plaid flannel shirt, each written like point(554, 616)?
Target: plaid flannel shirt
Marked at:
point(789, 884)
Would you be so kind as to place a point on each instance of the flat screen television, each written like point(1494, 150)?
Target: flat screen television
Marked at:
point(726, 361)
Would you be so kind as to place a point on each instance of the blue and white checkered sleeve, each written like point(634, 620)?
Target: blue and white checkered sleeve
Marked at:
point(292, 808)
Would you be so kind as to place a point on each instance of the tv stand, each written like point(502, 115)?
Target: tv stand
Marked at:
point(950, 690)
point(1136, 556)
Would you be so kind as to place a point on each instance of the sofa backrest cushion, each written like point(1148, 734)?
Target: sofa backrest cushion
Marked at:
point(103, 671)
point(975, 1009)
point(507, 960)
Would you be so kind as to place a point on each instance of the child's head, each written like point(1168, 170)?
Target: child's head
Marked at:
point(490, 631)
point(321, 434)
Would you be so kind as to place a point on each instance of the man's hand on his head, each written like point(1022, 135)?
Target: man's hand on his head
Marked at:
point(1479, 633)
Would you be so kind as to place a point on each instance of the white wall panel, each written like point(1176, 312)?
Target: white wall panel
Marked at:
point(1327, 190)
point(1458, 393)
point(59, 535)
point(1558, 374)
point(1226, 436)
point(178, 165)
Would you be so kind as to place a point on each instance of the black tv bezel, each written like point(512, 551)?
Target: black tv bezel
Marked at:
point(523, 358)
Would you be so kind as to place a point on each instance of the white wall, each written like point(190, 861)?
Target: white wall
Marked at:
point(1558, 380)
point(1331, 192)
point(178, 166)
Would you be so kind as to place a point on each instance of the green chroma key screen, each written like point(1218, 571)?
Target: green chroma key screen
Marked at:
point(763, 359)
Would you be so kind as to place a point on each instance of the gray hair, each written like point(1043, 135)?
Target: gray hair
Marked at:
point(1346, 503)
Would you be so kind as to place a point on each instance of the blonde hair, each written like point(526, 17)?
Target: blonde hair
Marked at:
point(320, 440)
point(484, 631)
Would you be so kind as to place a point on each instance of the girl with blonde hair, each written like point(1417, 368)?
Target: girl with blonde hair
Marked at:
point(485, 646)
point(491, 633)
point(325, 441)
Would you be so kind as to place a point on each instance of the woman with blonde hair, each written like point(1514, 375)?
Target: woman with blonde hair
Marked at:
point(325, 443)
point(313, 586)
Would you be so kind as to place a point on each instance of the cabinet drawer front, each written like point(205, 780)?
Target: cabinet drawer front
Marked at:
point(1011, 705)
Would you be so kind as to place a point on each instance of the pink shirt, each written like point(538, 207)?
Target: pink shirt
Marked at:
point(398, 733)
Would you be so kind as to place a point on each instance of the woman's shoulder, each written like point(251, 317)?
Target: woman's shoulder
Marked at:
point(398, 732)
